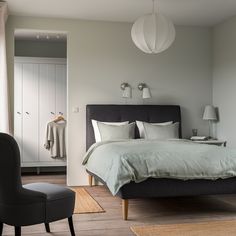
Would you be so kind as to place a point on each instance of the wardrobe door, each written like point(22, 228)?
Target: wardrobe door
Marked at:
point(61, 88)
point(30, 112)
point(47, 106)
point(18, 104)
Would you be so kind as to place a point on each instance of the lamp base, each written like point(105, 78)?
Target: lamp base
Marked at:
point(210, 130)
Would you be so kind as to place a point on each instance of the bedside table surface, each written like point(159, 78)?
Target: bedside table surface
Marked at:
point(211, 141)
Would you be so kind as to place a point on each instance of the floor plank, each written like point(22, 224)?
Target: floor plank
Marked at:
point(141, 212)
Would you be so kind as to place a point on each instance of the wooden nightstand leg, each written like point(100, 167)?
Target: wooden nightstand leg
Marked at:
point(90, 179)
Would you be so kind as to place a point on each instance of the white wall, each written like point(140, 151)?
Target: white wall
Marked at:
point(101, 56)
point(224, 79)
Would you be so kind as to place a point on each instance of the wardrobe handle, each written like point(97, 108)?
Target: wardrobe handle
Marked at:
point(27, 113)
point(18, 113)
point(52, 113)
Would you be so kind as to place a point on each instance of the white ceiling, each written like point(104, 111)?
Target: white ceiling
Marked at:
point(182, 12)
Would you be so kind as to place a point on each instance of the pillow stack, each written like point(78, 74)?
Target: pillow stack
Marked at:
point(105, 131)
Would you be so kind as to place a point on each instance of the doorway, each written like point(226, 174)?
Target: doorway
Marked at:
point(40, 97)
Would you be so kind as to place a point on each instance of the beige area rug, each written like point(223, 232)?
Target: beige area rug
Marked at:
point(212, 228)
point(85, 203)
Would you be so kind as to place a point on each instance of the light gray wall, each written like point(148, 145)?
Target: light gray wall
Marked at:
point(224, 79)
point(101, 55)
point(30, 48)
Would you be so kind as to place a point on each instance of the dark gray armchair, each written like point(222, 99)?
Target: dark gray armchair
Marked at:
point(32, 203)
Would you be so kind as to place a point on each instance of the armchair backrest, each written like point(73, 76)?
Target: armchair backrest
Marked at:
point(10, 172)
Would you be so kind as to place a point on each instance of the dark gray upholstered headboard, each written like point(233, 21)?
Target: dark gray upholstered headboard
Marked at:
point(116, 113)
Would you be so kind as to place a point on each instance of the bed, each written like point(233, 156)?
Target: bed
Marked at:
point(151, 187)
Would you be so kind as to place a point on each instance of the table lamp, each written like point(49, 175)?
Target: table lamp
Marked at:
point(210, 115)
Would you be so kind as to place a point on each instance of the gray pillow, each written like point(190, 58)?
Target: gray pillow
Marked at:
point(114, 132)
point(161, 132)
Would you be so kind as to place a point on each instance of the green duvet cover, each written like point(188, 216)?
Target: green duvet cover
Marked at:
point(122, 161)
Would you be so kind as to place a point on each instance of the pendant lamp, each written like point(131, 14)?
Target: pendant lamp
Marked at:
point(153, 33)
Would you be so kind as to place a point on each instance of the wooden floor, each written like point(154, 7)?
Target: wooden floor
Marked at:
point(141, 212)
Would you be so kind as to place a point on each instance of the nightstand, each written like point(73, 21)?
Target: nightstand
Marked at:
point(213, 142)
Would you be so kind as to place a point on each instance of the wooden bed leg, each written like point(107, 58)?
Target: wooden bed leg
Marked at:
point(125, 206)
point(90, 179)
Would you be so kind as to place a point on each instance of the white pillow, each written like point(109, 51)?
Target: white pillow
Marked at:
point(141, 127)
point(97, 132)
point(161, 132)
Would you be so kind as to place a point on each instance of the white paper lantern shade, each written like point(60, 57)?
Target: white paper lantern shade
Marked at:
point(153, 33)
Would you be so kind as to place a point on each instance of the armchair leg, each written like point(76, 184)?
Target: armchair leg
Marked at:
point(17, 231)
point(72, 231)
point(1, 228)
point(47, 227)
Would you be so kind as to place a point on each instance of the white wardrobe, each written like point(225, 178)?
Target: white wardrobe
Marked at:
point(40, 87)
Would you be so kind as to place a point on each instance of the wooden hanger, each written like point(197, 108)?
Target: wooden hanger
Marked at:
point(59, 118)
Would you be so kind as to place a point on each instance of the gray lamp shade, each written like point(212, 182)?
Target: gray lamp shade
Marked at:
point(127, 92)
point(209, 113)
point(146, 93)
